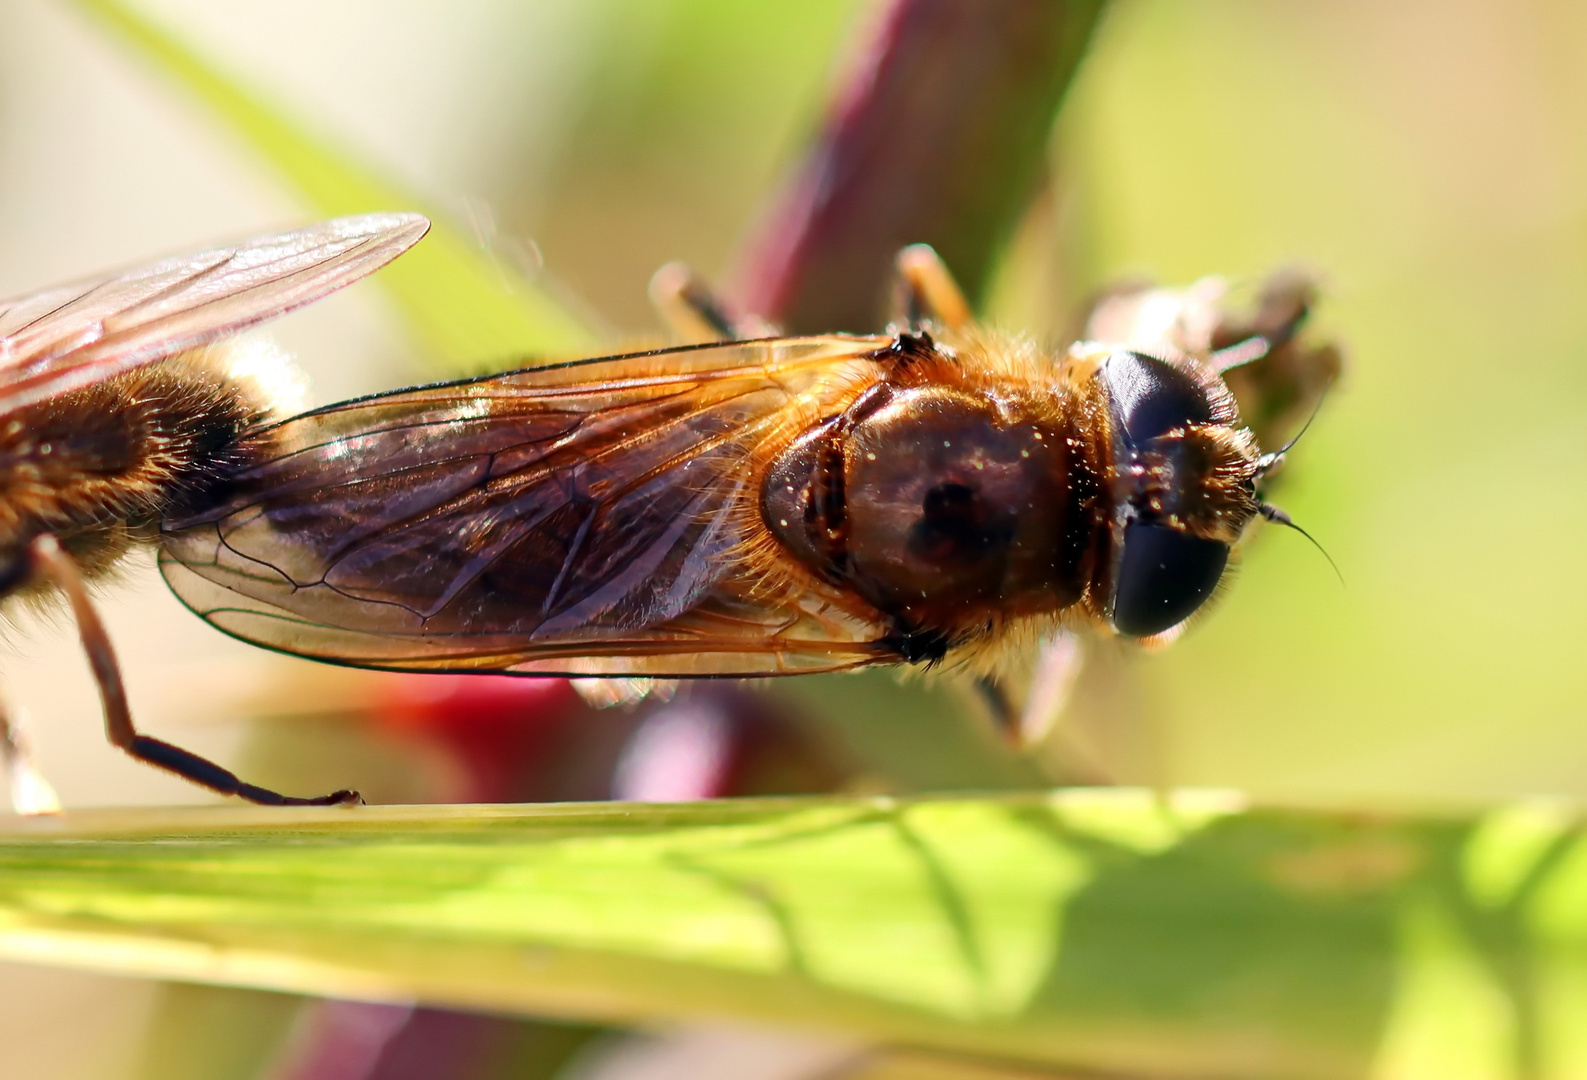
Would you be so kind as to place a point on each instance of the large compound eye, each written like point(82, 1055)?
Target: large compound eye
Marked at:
point(1152, 396)
point(1164, 575)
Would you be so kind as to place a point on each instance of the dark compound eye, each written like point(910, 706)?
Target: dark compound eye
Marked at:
point(1164, 575)
point(1151, 396)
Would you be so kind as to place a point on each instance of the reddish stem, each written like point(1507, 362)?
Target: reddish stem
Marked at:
point(937, 135)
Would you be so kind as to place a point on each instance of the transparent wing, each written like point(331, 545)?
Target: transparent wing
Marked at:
point(599, 517)
point(58, 340)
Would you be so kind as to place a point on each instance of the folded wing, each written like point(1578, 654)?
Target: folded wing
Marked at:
point(599, 517)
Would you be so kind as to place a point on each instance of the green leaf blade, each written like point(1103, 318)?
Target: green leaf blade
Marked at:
point(1048, 928)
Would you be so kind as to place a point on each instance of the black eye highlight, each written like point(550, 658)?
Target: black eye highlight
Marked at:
point(1151, 396)
point(1164, 576)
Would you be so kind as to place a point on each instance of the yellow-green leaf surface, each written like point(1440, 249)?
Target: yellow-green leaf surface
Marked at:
point(468, 308)
point(1111, 930)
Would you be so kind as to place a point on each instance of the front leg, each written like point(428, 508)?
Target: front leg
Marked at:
point(1040, 719)
point(1278, 375)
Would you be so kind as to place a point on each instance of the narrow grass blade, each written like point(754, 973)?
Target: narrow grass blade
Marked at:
point(469, 309)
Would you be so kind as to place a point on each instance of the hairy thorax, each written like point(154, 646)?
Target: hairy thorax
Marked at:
point(954, 498)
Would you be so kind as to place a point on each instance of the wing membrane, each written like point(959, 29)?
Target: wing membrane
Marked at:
point(589, 518)
point(61, 339)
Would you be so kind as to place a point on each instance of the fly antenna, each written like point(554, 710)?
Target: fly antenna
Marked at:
point(1278, 517)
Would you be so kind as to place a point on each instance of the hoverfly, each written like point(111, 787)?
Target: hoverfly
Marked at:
point(99, 441)
point(743, 507)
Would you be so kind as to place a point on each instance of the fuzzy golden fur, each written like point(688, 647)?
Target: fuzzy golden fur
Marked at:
point(97, 468)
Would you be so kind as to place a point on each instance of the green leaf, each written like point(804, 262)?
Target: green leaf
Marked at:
point(469, 309)
point(1110, 929)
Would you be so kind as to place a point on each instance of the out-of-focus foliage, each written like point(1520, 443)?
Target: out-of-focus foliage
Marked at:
point(469, 307)
point(690, 112)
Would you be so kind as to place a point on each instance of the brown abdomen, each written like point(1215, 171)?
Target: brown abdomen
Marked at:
point(951, 509)
point(97, 468)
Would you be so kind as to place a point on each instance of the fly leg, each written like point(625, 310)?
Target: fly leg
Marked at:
point(1277, 376)
point(924, 290)
point(1282, 308)
point(695, 314)
point(30, 792)
point(51, 562)
point(1040, 718)
point(1005, 715)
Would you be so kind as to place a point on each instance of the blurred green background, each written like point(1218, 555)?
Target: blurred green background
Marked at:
point(1429, 161)
point(1426, 159)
